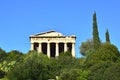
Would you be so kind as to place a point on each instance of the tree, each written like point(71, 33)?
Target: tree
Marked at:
point(34, 67)
point(2, 74)
point(2, 54)
point(106, 52)
point(86, 47)
point(96, 39)
point(113, 72)
point(99, 61)
point(107, 37)
point(97, 70)
point(14, 55)
point(74, 74)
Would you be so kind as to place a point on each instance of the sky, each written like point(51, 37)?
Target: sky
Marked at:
point(21, 18)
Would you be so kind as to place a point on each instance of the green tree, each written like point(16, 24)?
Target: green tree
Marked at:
point(96, 39)
point(98, 69)
point(107, 37)
point(112, 72)
point(86, 47)
point(2, 74)
point(14, 55)
point(67, 53)
point(2, 54)
point(34, 67)
point(98, 62)
point(107, 52)
point(74, 74)
point(7, 66)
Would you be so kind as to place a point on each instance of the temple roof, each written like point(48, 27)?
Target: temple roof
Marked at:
point(51, 33)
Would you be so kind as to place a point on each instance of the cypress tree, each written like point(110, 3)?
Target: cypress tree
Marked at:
point(96, 39)
point(107, 36)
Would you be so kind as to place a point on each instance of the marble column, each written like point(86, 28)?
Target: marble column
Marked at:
point(57, 50)
point(32, 46)
point(48, 50)
point(40, 47)
point(73, 49)
point(65, 47)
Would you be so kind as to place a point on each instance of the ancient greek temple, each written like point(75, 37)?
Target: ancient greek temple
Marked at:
point(52, 43)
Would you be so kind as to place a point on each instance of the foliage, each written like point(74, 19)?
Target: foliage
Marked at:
point(67, 53)
point(105, 71)
point(86, 47)
point(37, 66)
point(34, 67)
point(107, 52)
point(84, 75)
point(63, 62)
point(10, 60)
point(97, 70)
point(2, 55)
point(67, 62)
point(2, 74)
point(107, 37)
point(113, 72)
point(97, 63)
point(7, 66)
point(96, 39)
point(14, 55)
point(73, 74)
point(5, 78)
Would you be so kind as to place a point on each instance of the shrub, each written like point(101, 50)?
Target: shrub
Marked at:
point(34, 67)
point(107, 52)
point(2, 74)
point(74, 74)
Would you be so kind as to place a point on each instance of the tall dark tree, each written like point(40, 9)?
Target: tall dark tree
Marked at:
point(107, 37)
point(96, 39)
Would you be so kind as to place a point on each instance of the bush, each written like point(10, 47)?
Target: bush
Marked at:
point(14, 55)
point(2, 74)
point(34, 67)
point(2, 55)
point(74, 74)
point(113, 72)
point(107, 52)
point(67, 53)
point(7, 66)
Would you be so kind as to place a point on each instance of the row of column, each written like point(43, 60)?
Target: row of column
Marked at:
point(57, 49)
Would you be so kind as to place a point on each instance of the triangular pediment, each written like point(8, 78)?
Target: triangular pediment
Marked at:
point(49, 33)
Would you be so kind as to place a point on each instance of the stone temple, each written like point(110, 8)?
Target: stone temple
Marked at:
point(52, 43)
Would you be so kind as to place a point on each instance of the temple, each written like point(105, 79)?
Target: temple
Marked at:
point(52, 43)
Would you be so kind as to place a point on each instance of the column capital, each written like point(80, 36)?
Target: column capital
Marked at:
point(31, 43)
point(73, 42)
point(65, 42)
point(57, 42)
point(48, 42)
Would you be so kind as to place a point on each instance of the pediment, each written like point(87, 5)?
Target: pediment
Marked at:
point(49, 34)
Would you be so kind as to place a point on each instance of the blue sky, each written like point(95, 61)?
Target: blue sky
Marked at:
point(21, 18)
